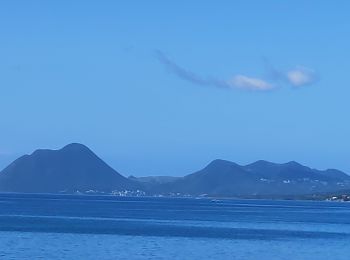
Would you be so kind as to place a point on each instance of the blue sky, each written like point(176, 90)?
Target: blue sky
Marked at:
point(160, 88)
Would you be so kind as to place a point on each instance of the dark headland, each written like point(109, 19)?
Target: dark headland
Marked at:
point(76, 169)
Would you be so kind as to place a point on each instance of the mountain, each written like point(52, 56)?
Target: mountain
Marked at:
point(70, 169)
point(219, 177)
point(75, 168)
point(262, 178)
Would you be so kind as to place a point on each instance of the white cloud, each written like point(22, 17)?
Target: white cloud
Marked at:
point(241, 81)
point(297, 77)
point(300, 76)
point(238, 81)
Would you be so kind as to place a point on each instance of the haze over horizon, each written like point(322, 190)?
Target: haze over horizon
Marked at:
point(173, 90)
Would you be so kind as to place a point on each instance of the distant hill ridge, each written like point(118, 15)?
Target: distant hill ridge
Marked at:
point(75, 168)
point(225, 178)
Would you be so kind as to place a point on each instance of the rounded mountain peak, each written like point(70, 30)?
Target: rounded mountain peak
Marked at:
point(293, 164)
point(75, 147)
point(262, 163)
point(221, 163)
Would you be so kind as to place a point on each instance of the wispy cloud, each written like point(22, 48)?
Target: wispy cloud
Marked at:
point(182, 72)
point(237, 81)
point(241, 81)
point(301, 76)
point(298, 77)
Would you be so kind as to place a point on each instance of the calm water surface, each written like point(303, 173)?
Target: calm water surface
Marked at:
point(102, 227)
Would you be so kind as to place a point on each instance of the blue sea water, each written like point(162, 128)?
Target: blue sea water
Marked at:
point(103, 227)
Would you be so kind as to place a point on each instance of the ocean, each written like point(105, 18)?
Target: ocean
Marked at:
point(105, 227)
